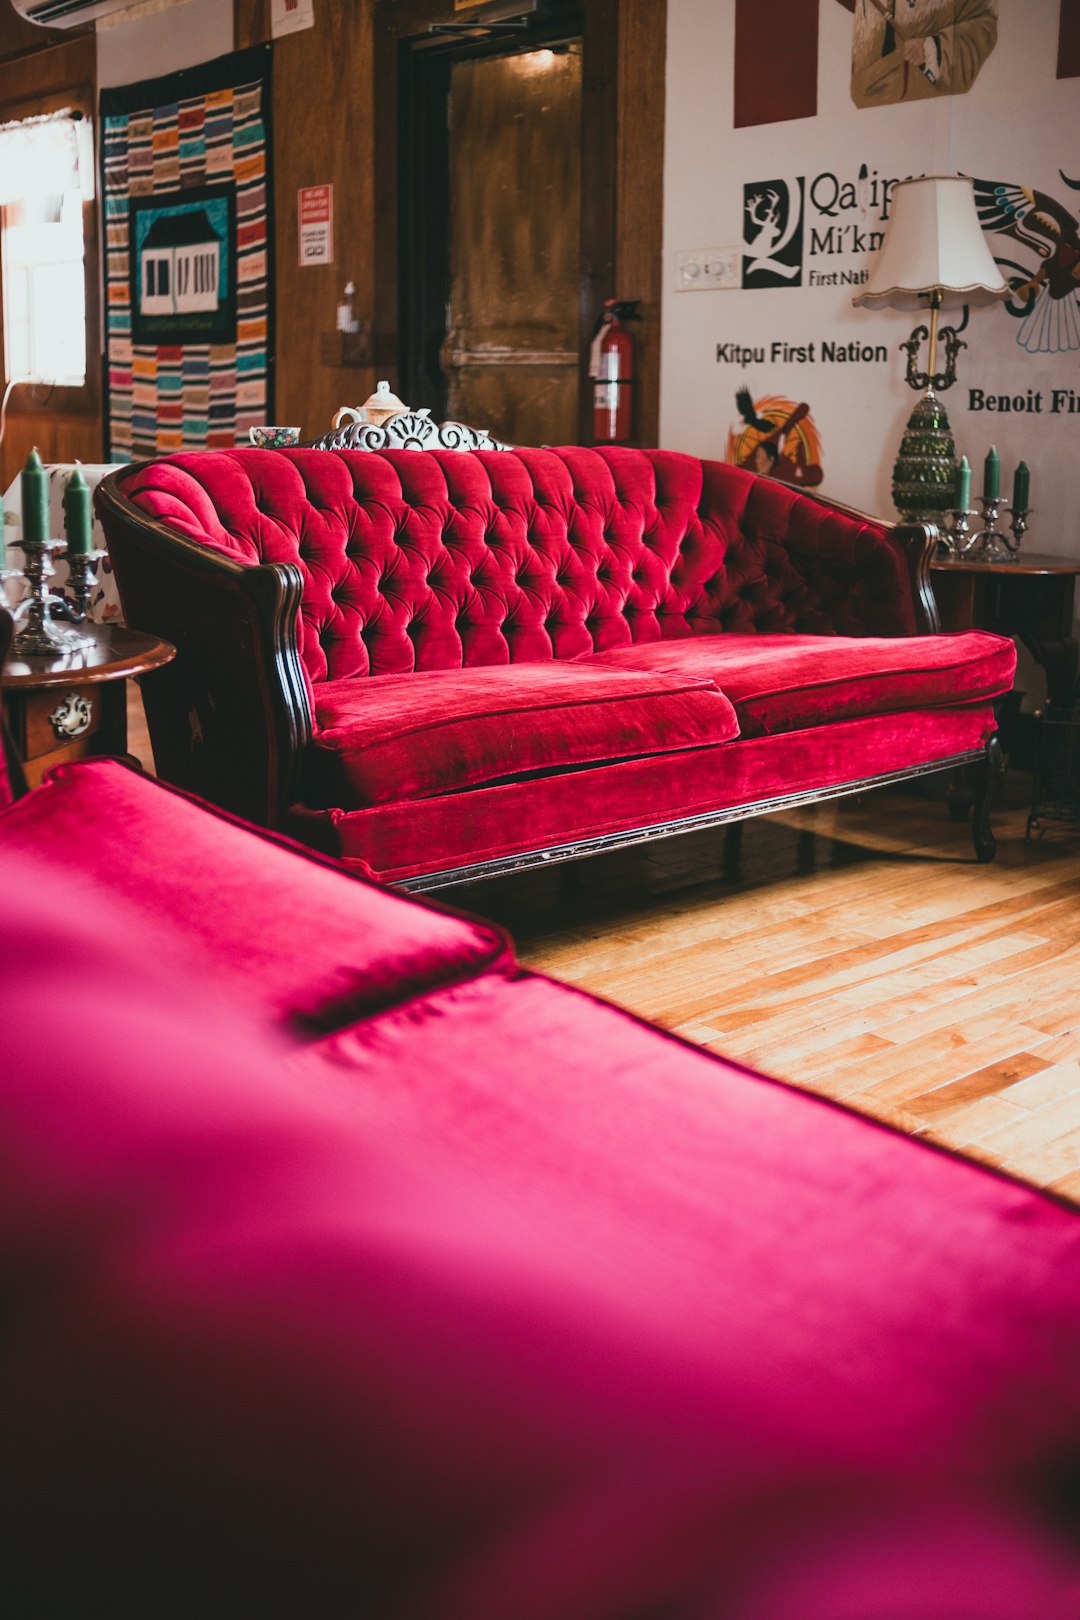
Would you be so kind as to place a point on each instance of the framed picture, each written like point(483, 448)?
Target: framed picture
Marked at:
point(183, 266)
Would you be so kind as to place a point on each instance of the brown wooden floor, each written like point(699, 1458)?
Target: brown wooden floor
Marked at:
point(854, 948)
point(138, 738)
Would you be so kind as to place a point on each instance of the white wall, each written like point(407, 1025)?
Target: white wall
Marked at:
point(1018, 123)
point(179, 36)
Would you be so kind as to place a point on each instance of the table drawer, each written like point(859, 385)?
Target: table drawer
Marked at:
point(61, 715)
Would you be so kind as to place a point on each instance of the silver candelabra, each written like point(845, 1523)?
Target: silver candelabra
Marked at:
point(975, 537)
point(44, 617)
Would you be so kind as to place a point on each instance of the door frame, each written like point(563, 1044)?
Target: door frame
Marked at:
point(425, 223)
point(622, 175)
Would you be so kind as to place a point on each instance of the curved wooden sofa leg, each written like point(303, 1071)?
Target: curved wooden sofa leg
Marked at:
point(988, 779)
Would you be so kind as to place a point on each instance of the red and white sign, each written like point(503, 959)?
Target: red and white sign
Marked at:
point(289, 16)
point(316, 212)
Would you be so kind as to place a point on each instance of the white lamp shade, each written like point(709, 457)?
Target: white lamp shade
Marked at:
point(933, 241)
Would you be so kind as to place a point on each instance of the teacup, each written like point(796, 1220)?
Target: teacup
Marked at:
point(274, 438)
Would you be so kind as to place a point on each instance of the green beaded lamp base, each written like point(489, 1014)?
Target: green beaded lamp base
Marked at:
point(924, 477)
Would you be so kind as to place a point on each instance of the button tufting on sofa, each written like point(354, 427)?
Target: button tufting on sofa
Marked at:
point(746, 555)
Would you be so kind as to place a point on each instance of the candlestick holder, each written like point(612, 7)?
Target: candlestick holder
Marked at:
point(956, 537)
point(988, 544)
point(37, 634)
point(1018, 523)
point(82, 577)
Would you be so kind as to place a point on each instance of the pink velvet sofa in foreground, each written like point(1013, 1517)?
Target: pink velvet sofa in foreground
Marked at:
point(351, 1270)
point(436, 665)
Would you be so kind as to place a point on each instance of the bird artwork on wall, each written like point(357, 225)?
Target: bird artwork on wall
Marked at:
point(1042, 294)
point(777, 438)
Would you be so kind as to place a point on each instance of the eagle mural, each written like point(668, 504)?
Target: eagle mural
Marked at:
point(1043, 293)
point(776, 437)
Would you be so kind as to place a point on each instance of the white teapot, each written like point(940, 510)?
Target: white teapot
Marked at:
point(377, 409)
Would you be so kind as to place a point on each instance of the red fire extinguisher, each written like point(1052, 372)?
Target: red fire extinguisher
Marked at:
point(611, 366)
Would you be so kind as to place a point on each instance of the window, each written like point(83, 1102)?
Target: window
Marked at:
point(46, 226)
point(44, 292)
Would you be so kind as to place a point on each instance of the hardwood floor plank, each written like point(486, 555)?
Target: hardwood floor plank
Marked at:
point(1045, 1166)
point(1035, 1131)
point(978, 1121)
point(1064, 1048)
point(887, 1015)
point(949, 1101)
point(916, 1066)
point(1054, 1084)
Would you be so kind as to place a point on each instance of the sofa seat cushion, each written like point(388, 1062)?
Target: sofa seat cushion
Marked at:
point(407, 736)
point(419, 836)
point(270, 929)
point(785, 683)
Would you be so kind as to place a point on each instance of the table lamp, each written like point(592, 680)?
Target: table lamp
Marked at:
point(934, 257)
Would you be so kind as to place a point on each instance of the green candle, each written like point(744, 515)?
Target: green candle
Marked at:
point(1021, 488)
point(963, 486)
point(34, 485)
point(992, 475)
point(77, 519)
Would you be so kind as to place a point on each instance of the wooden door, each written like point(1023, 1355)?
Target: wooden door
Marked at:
point(511, 354)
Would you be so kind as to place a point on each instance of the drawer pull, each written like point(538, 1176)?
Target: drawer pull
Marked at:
point(72, 716)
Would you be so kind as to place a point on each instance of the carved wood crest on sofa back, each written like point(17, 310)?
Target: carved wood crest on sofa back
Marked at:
point(409, 430)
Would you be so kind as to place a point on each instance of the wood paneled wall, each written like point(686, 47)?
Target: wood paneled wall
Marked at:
point(58, 436)
point(324, 133)
point(19, 38)
point(328, 83)
point(325, 97)
point(35, 62)
point(639, 195)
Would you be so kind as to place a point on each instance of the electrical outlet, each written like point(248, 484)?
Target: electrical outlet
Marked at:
point(707, 269)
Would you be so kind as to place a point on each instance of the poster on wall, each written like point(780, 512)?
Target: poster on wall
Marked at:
point(290, 16)
point(185, 181)
point(779, 373)
point(900, 51)
point(916, 50)
point(315, 222)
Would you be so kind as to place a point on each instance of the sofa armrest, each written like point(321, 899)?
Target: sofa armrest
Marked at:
point(230, 717)
point(916, 543)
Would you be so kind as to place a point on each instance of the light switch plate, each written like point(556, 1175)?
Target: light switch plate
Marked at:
point(707, 269)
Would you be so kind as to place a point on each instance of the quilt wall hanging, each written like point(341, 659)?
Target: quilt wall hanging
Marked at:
point(186, 182)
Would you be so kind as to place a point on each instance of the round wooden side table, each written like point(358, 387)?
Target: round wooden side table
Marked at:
point(75, 705)
point(1031, 598)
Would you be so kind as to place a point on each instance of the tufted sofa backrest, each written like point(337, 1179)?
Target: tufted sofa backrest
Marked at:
point(435, 559)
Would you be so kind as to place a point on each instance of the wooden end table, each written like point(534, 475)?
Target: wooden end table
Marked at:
point(1031, 598)
point(75, 705)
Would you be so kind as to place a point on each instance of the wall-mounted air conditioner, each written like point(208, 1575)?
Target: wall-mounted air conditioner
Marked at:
point(69, 13)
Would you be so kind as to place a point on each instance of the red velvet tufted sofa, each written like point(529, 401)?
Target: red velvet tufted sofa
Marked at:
point(442, 664)
point(349, 1269)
